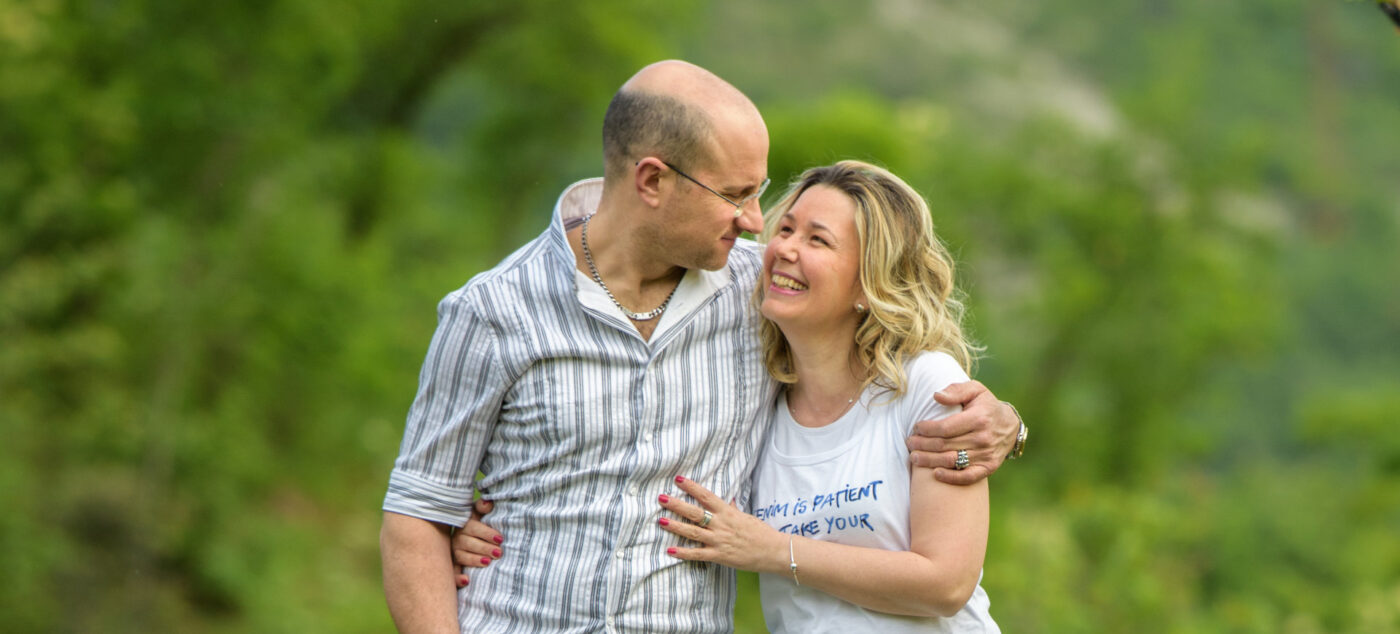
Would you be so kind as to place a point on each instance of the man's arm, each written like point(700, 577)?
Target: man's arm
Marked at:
point(986, 428)
point(460, 394)
point(418, 577)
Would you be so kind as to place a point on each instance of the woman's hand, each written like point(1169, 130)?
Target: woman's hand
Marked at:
point(731, 537)
point(475, 545)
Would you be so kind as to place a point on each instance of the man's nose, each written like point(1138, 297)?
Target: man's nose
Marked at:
point(751, 218)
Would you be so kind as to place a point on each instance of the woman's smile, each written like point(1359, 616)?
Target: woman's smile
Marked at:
point(785, 284)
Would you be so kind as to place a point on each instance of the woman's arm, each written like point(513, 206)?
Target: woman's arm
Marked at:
point(948, 530)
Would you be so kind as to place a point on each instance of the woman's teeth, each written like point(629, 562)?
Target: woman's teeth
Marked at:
point(786, 282)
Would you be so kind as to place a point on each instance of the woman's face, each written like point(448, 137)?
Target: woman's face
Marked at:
point(811, 265)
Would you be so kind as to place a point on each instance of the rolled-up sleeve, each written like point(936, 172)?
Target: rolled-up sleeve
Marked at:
point(460, 391)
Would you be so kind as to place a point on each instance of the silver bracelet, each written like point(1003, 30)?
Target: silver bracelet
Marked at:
point(792, 562)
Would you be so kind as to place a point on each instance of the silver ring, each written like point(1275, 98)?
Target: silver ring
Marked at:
point(962, 462)
point(706, 522)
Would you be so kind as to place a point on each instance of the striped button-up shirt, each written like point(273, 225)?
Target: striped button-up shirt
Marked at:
point(535, 379)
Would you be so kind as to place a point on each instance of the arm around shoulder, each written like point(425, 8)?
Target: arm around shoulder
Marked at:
point(986, 429)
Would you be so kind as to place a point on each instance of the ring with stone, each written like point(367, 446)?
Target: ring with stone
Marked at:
point(961, 463)
point(706, 522)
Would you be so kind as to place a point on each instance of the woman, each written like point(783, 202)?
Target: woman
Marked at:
point(859, 309)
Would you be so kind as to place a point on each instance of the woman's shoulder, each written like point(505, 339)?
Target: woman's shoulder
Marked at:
point(933, 370)
point(925, 373)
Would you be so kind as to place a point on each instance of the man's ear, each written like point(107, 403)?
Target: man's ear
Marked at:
point(648, 182)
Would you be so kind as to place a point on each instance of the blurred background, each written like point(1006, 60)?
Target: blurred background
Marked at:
point(224, 228)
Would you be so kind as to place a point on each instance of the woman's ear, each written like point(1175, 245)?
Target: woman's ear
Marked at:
point(862, 305)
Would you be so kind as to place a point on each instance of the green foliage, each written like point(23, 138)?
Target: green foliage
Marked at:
point(225, 232)
point(224, 227)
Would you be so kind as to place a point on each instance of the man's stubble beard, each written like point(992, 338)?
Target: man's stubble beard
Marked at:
point(685, 253)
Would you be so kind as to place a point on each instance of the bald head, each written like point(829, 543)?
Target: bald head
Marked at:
point(688, 83)
point(673, 110)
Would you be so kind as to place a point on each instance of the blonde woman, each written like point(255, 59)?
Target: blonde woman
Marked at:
point(860, 311)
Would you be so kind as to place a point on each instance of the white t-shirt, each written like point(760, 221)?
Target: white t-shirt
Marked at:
point(848, 482)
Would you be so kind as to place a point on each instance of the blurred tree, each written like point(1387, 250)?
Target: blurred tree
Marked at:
point(225, 230)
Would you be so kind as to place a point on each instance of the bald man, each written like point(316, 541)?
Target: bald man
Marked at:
point(588, 369)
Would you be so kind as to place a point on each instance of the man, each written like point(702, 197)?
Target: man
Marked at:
point(591, 367)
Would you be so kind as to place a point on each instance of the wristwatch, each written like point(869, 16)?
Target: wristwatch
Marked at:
point(1020, 446)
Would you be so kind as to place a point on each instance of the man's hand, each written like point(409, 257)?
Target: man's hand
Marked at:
point(986, 428)
point(476, 545)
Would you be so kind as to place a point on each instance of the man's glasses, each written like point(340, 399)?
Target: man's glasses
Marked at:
point(739, 205)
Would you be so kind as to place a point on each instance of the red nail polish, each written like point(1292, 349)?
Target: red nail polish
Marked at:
point(485, 560)
point(670, 551)
point(462, 582)
point(664, 522)
point(663, 498)
point(680, 479)
point(495, 552)
point(497, 539)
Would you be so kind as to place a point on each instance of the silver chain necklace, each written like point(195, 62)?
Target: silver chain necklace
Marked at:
point(592, 268)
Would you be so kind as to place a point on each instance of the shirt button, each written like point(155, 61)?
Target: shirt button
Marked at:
point(619, 554)
point(634, 490)
point(647, 437)
point(611, 621)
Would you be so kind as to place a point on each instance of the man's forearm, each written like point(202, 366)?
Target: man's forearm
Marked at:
point(418, 577)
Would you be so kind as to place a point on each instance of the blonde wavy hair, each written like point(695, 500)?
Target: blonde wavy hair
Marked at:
point(905, 271)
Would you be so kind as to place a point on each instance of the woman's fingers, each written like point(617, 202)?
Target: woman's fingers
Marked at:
point(477, 527)
point(722, 532)
point(689, 554)
point(476, 545)
point(685, 510)
point(472, 552)
point(698, 523)
point(689, 517)
point(701, 494)
point(684, 529)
